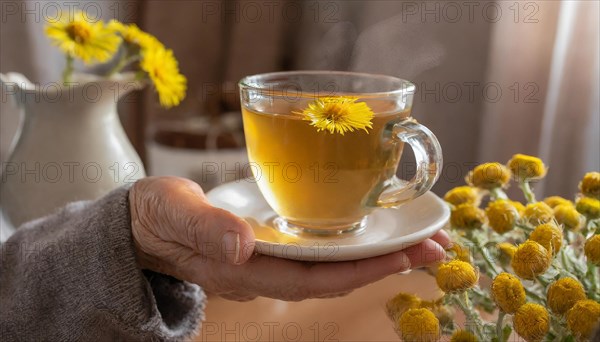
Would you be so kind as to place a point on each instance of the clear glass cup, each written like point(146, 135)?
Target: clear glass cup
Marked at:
point(324, 183)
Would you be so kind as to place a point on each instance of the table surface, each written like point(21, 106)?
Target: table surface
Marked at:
point(359, 316)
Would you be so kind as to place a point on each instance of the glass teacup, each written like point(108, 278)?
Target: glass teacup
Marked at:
point(324, 147)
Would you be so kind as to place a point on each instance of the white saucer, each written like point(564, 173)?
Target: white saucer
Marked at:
point(388, 230)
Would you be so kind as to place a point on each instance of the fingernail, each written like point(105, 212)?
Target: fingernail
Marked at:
point(231, 242)
point(405, 263)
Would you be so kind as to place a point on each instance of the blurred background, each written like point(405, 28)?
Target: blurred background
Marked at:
point(493, 78)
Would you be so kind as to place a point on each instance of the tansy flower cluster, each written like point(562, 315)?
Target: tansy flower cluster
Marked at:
point(81, 37)
point(540, 258)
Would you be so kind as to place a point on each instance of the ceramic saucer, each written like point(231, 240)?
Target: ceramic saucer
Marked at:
point(388, 230)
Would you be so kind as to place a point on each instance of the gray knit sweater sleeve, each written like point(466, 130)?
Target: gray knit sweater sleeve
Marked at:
point(72, 276)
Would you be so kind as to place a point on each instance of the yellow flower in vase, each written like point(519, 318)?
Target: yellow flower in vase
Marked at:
point(463, 195)
point(592, 249)
point(80, 37)
point(590, 185)
point(489, 176)
point(161, 66)
point(531, 322)
point(419, 325)
point(549, 236)
point(132, 34)
point(463, 336)
point(569, 217)
point(456, 276)
point(563, 294)
point(508, 292)
point(526, 167)
point(583, 318)
point(339, 114)
point(530, 260)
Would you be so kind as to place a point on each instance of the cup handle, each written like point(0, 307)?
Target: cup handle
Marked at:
point(428, 156)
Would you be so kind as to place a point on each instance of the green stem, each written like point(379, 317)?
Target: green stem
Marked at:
point(529, 195)
point(68, 72)
point(123, 62)
point(593, 274)
point(462, 300)
point(487, 260)
point(499, 326)
point(542, 281)
point(497, 193)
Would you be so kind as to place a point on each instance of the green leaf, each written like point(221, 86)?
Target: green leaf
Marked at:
point(506, 332)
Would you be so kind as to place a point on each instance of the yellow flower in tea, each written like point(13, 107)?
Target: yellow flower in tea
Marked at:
point(456, 276)
point(508, 292)
point(161, 66)
point(569, 217)
point(538, 213)
point(80, 37)
point(502, 215)
point(462, 253)
point(507, 249)
point(132, 34)
point(463, 195)
point(339, 114)
point(463, 336)
point(563, 294)
point(489, 176)
point(592, 249)
point(419, 325)
point(400, 304)
point(530, 260)
point(583, 318)
point(467, 216)
point(590, 207)
point(554, 201)
point(531, 322)
point(526, 167)
point(590, 185)
point(549, 236)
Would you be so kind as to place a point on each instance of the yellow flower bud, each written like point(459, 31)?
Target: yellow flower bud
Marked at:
point(463, 336)
point(590, 207)
point(527, 167)
point(489, 176)
point(419, 325)
point(569, 217)
point(507, 249)
point(530, 260)
point(590, 185)
point(508, 292)
point(583, 318)
point(467, 216)
point(531, 322)
point(456, 276)
point(553, 201)
point(400, 303)
point(462, 253)
point(502, 215)
point(462, 195)
point(563, 294)
point(549, 236)
point(518, 205)
point(537, 213)
point(592, 250)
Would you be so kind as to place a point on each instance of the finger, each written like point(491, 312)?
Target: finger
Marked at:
point(209, 231)
point(294, 280)
point(425, 253)
point(442, 238)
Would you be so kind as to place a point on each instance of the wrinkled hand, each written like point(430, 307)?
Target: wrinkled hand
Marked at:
point(177, 232)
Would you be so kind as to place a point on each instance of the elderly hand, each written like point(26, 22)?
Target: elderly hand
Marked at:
point(177, 232)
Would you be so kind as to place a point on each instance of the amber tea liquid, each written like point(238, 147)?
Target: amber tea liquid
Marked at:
point(318, 178)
